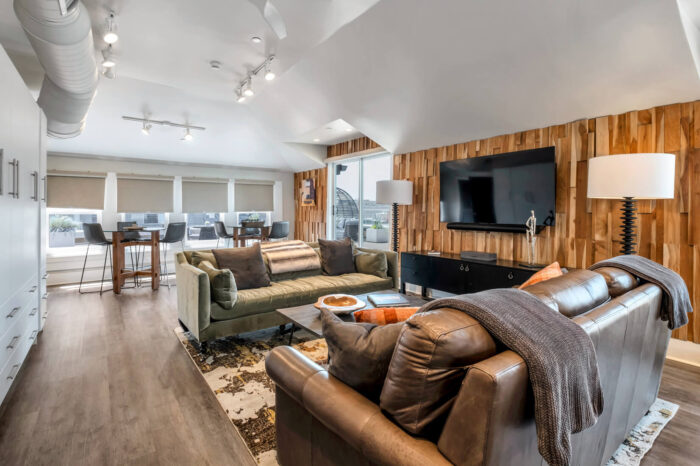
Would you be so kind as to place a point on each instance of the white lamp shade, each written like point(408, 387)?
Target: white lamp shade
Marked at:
point(639, 176)
point(395, 192)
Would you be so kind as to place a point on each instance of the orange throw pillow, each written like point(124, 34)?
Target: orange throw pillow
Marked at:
point(385, 315)
point(553, 270)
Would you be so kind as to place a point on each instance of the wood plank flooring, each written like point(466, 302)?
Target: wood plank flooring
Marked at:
point(108, 383)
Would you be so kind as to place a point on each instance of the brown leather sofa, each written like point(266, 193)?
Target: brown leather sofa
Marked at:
point(490, 420)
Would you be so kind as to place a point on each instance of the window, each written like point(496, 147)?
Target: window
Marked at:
point(66, 226)
point(200, 229)
point(148, 220)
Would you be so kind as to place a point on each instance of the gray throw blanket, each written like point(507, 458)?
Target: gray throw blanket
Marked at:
point(560, 359)
point(675, 304)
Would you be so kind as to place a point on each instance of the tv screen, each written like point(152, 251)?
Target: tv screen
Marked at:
point(499, 190)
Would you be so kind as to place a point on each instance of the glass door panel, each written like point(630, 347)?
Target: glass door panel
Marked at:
point(376, 218)
point(346, 204)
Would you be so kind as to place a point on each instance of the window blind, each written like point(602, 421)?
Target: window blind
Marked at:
point(204, 195)
point(137, 194)
point(75, 190)
point(253, 196)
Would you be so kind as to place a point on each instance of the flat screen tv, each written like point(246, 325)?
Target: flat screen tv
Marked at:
point(498, 192)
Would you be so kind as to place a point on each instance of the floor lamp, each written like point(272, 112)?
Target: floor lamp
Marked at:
point(631, 177)
point(395, 192)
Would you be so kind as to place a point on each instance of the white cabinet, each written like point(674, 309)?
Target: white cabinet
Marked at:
point(23, 150)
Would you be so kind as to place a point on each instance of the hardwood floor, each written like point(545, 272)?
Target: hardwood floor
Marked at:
point(108, 383)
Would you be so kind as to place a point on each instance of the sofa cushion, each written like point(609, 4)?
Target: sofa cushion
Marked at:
point(336, 256)
point(306, 290)
point(619, 281)
point(384, 315)
point(553, 270)
point(359, 353)
point(574, 293)
point(372, 263)
point(246, 264)
point(199, 256)
point(428, 365)
point(222, 284)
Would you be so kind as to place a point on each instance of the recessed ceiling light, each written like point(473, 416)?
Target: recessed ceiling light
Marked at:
point(256, 40)
point(215, 65)
point(348, 129)
point(317, 140)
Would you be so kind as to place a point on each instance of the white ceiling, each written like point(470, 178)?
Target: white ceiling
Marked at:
point(410, 74)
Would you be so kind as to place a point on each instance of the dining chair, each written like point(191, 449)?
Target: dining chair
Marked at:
point(173, 234)
point(279, 230)
point(95, 236)
point(221, 232)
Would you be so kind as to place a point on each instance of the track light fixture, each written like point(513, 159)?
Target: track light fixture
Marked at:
point(110, 35)
point(245, 87)
point(109, 73)
point(108, 57)
point(147, 124)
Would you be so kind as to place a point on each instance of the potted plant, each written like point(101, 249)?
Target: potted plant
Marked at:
point(377, 233)
point(61, 232)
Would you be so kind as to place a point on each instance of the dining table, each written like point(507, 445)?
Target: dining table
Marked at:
point(239, 239)
point(119, 244)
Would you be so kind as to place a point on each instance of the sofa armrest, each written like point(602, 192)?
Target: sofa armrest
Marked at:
point(392, 260)
point(193, 296)
point(347, 413)
point(494, 410)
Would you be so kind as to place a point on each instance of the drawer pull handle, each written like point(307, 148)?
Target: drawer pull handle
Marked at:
point(33, 313)
point(12, 313)
point(464, 268)
point(33, 335)
point(32, 289)
point(46, 275)
point(46, 296)
point(12, 343)
point(13, 373)
point(510, 275)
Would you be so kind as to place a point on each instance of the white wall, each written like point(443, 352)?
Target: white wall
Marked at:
point(64, 269)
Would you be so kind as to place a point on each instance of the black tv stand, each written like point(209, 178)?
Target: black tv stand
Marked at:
point(449, 272)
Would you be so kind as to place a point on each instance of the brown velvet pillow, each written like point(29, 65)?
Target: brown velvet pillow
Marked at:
point(359, 353)
point(336, 256)
point(246, 264)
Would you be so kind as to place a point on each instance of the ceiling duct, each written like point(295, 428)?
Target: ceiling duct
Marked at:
point(61, 34)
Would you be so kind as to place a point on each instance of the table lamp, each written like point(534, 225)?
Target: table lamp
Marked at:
point(395, 192)
point(631, 177)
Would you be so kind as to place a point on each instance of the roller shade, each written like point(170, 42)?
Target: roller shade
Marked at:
point(253, 196)
point(75, 190)
point(144, 194)
point(204, 195)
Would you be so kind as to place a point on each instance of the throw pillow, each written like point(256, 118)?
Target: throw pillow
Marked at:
point(359, 353)
point(223, 285)
point(372, 264)
point(336, 256)
point(385, 315)
point(199, 256)
point(246, 264)
point(553, 270)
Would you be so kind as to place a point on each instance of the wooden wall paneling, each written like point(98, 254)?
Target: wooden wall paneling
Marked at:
point(310, 221)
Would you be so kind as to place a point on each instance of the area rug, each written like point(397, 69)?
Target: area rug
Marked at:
point(641, 438)
point(234, 368)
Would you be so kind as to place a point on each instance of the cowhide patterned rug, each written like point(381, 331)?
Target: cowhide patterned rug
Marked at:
point(234, 368)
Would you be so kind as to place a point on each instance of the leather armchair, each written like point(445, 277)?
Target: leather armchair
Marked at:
point(322, 421)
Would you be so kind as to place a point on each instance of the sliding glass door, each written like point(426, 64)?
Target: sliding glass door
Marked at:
point(355, 212)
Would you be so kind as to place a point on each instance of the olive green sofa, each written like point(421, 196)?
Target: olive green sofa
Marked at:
point(255, 309)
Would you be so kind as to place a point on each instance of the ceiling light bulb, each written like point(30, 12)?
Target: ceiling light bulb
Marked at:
point(239, 96)
point(146, 129)
point(248, 90)
point(187, 136)
point(317, 140)
point(109, 73)
point(110, 36)
point(108, 59)
point(269, 75)
point(256, 40)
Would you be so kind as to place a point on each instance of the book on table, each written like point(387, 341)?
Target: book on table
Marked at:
point(387, 299)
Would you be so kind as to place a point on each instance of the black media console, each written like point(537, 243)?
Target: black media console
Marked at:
point(450, 273)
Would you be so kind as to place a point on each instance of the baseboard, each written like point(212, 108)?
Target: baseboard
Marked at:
point(685, 365)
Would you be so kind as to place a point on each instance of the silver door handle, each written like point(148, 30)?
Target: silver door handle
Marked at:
point(32, 289)
point(13, 373)
point(12, 313)
point(35, 175)
point(13, 163)
point(45, 182)
point(33, 313)
point(13, 342)
point(33, 335)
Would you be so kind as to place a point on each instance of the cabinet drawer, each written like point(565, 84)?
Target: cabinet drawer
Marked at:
point(451, 276)
point(9, 371)
point(413, 261)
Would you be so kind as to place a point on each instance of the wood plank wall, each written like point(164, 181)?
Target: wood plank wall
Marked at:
point(351, 146)
point(310, 221)
point(586, 231)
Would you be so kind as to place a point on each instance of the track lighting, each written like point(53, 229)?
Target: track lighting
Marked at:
point(248, 89)
point(239, 96)
point(108, 58)
point(147, 124)
point(187, 136)
point(110, 36)
point(245, 87)
point(146, 128)
point(109, 73)
point(269, 75)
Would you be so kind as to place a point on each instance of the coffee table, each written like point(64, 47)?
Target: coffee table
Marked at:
point(308, 317)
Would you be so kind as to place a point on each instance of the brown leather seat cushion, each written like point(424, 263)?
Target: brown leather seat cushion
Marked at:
point(619, 281)
point(572, 294)
point(428, 365)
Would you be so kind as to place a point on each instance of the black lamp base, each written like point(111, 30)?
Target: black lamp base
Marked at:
point(629, 226)
point(395, 227)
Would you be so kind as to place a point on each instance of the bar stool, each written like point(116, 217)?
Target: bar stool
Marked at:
point(173, 234)
point(279, 230)
point(95, 236)
point(221, 232)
